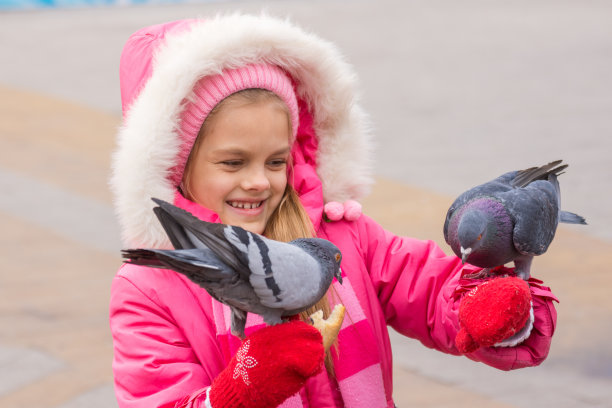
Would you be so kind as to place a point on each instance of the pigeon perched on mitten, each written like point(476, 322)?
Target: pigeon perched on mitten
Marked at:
point(246, 271)
point(511, 218)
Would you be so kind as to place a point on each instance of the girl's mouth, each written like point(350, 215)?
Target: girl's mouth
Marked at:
point(245, 205)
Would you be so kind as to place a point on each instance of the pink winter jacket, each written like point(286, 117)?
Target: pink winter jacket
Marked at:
point(171, 339)
point(169, 342)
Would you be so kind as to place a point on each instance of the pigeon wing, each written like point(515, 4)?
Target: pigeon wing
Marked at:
point(525, 177)
point(193, 263)
point(198, 233)
point(178, 236)
point(221, 282)
point(214, 237)
point(184, 260)
point(535, 210)
point(289, 278)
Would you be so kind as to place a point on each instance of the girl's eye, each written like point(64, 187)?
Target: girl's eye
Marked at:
point(231, 163)
point(277, 163)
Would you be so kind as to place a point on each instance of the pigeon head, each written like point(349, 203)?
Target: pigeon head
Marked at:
point(484, 233)
point(332, 254)
point(471, 231)
point(326, 252)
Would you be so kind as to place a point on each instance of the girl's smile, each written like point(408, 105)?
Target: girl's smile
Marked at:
point(245, 205)
point(246, 208)
point(238, 167)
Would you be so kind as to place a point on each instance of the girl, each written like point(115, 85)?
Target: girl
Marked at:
point(251, 121)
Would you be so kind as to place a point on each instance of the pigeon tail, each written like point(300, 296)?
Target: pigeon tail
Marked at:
point(142, 257)
point(571, 218)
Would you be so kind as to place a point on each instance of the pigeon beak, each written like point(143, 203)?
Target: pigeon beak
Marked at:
point(464, 254)
point(338, 275)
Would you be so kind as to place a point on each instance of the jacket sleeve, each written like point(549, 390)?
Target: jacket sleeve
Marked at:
point(420, 287)
point(154, 365)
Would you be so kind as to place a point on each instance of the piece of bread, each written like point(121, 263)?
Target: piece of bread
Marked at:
point(329, 327)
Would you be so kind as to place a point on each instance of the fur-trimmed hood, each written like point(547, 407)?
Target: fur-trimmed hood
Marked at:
point(159, 68)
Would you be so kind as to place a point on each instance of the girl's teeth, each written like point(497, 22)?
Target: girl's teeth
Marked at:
point(247, 206)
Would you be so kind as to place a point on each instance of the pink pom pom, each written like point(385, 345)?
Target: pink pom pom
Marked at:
point(334, 210)
point(352, 210)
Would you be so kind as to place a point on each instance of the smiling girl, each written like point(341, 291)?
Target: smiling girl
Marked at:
point(250, 121)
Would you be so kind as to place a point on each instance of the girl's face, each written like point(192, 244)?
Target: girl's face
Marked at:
point(239, 169)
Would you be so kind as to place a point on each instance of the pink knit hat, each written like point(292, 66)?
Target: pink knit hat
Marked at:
point(211, 90)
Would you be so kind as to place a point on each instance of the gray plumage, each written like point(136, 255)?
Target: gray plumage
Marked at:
point(246, 271)
point(511, 218)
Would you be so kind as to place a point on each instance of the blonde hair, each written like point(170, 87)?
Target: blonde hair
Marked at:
point(289, 220)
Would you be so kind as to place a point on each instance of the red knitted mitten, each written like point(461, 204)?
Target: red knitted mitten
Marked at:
point(492, 312)
point(271, 365)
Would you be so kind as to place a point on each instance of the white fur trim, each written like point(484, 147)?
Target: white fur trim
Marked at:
point(148, 141)
point(207, 400)
point(521, 335)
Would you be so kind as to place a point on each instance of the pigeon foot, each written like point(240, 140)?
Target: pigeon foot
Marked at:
point(482, 274)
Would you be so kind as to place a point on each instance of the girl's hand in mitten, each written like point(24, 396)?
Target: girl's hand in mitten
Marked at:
point(497, 312)
point(271, 365)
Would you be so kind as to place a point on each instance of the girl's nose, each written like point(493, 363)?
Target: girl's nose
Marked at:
point(256, 179)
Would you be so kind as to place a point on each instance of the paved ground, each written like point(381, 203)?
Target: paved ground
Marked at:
point(458, 92)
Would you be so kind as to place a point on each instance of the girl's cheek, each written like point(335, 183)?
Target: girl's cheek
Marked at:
point(280, 183)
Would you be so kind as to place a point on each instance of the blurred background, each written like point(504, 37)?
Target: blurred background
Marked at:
point(458, 92)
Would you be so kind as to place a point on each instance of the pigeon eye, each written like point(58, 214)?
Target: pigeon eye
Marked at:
point(338, 257)
point(479, 237)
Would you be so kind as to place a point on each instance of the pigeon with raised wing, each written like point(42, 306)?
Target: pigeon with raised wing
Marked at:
point(246, 271)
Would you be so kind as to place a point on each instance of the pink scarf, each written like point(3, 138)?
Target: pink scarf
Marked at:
point(357, 363)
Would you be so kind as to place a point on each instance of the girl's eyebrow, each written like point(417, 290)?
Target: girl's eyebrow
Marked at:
point(229, 150)
point(239, 151)
point(283, 150)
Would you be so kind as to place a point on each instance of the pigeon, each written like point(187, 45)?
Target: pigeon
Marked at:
point(511, 218)
point(246, 271)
